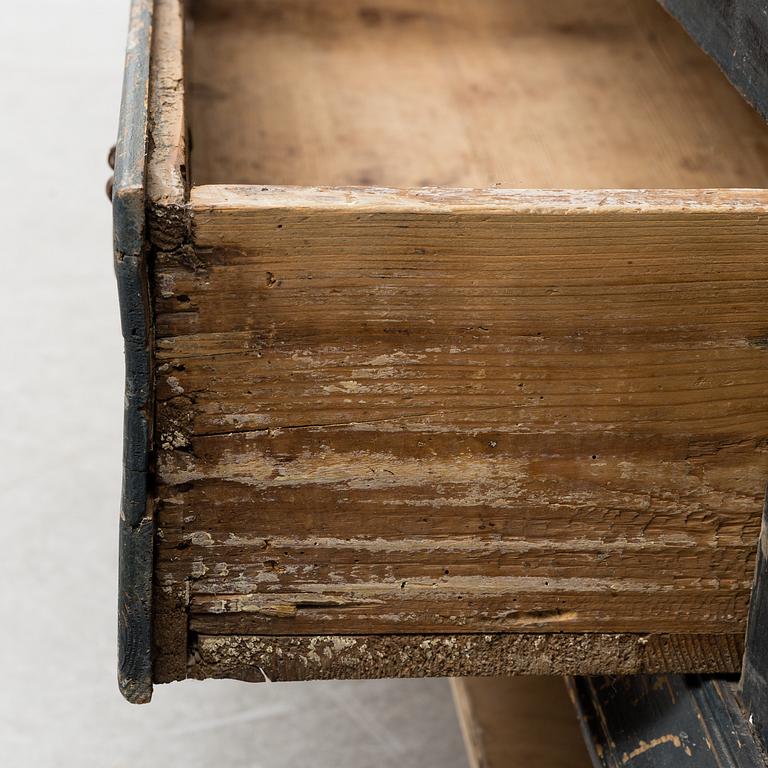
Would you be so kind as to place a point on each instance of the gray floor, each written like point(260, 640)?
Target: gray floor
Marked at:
point(60, 443)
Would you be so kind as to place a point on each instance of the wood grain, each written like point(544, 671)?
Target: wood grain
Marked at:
point(403, 93)
point(442, 412)
point(754, 675)
point(519, 722)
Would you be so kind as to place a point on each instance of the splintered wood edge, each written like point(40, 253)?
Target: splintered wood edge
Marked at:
point(223, 199)
point(258, 658)
point(167, 152)
point(167, 222)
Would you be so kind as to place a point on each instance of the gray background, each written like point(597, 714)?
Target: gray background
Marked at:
point(60, 444)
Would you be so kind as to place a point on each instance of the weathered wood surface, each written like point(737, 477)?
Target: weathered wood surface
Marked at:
point(735, 34)
point(512, 722)
point(384, 412)
point(136, 525)
point(665, 721)
point(460, 93)
point(168, 236)
point(343, 656)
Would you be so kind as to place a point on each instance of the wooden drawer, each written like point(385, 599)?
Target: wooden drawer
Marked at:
point(446, 334)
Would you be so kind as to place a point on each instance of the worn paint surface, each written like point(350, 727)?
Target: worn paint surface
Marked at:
point(136, 523)
point(754, 674)
point(664, 721)
point(168, 235)
point(735, 34)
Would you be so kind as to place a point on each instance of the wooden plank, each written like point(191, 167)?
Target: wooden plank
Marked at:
point(460, 93)
point(442, 412)
point(168, 235)
point(735, 35)
point(342, 656)
point(664, 722)
point(517, 722)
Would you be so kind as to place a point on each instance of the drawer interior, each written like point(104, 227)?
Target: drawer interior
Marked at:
point(460, 93)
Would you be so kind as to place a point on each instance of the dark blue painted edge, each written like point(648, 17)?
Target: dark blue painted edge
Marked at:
point(754, 672)
point(664, 721)
point(129, 218)
point(735, 34)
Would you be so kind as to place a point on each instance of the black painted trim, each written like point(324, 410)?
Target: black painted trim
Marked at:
point(664, 721)
point(735, 34)
point(136, 514)
point(754, 673)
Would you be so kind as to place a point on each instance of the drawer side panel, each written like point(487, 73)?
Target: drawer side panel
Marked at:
point(440, 413)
